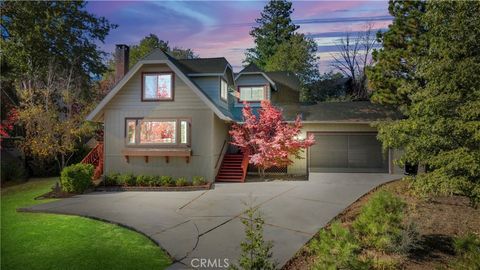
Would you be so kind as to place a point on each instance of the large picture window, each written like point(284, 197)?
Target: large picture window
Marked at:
point(157, 86)
point(252, 93)
point(173, 132)
point(223, 90)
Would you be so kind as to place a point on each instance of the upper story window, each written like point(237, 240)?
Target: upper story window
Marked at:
point(157, 86)
point(223, 89)
point(252, 93)
point(173, 132)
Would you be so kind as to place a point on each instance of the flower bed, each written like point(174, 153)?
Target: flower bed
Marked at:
point(129, 182)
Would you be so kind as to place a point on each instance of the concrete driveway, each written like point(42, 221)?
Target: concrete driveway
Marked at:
point(206, 224)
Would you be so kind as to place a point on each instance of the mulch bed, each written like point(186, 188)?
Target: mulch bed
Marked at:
point(438, 220)
point(160, 188)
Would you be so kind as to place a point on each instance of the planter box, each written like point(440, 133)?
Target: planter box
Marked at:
point(140, 188)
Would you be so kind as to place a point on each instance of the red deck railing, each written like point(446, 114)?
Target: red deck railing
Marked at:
point(95, 157)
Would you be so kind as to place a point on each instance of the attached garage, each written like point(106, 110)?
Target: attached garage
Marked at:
point(347, 152)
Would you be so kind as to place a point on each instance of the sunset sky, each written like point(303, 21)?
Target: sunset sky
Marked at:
point(220, 28)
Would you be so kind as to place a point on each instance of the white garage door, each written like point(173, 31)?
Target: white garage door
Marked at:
point(347, 152)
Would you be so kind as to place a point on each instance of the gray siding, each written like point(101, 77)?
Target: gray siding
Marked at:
point(127, 103)
point(211, 87)
point(220, 135)
point(252, 79)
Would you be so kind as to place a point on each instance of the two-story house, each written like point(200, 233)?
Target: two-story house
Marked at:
point(168, 116)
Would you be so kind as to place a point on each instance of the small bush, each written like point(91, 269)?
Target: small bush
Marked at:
point(112, 179)
point(144, 180)
point(336, 248)
point(198, 181)
point(256, 251)
point(76, 178)
point(127, 179)
point(181, 182)
point(12, 170)
point(467, 249)
point(155, 181)
point(409, 239)
point(167, 181)
point(379, 224)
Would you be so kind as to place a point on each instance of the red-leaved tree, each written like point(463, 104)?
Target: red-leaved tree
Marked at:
point(7, 125)
point(267, 138)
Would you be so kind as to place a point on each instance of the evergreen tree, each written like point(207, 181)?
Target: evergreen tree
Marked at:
point(151, 42)
point(256, 252)
point(442, 124)
point(274, 28)
point(298, 55)
point(395, 63)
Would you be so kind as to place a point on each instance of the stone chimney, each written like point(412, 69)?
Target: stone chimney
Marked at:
point(122, 55)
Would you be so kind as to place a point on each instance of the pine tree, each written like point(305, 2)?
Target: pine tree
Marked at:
point(256, 252)
point(396, 61)
point(275, 26)
point(442, 125)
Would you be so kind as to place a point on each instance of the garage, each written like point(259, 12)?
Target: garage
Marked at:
point(347, 152)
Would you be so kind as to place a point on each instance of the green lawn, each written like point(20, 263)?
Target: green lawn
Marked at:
point(48, 241)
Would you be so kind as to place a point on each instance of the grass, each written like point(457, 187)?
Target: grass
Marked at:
point(48, 241)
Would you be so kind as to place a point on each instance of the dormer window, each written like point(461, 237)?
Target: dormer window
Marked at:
point(252, 93)
point(157, 86)
point(223, 90)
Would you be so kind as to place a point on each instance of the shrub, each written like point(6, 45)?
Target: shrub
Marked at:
point(167, 181)
point(112, 179)
point(379, 224)
point(336, 248)
point(155, 181)
point(76, 178)
point(467, 249)
point(127, 179)
point(181, 182)
point(256, 252)
point(198, 181)
point(12, 170)
point(409, 239)
point(144, 180)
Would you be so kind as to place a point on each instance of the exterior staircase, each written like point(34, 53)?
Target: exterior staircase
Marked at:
point(233, 168)
point(95, 157)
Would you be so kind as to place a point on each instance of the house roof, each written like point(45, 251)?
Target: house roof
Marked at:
point(157, 56)
point(339, 112)
point(251, 68)
point(285, 79)
point(203, 65)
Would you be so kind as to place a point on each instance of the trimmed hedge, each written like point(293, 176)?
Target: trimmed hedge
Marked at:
point(117, 179)
point(76, 178)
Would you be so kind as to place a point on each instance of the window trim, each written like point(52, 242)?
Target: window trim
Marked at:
point(177, 144)
point(265, 92)
point(172, 75)
point(226, 97)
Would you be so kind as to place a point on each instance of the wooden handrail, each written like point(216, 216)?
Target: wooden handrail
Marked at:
point(95, 157)
point(220, 154)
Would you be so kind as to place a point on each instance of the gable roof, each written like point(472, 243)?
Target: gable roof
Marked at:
point(254, 69)
point(251, 68)
point(285, 79)
point(157, 56)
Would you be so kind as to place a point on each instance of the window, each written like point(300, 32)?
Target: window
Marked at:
point(252, 93)
point(223, 90)
point(157, 132)
point(157, 86)
point(131, 123)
